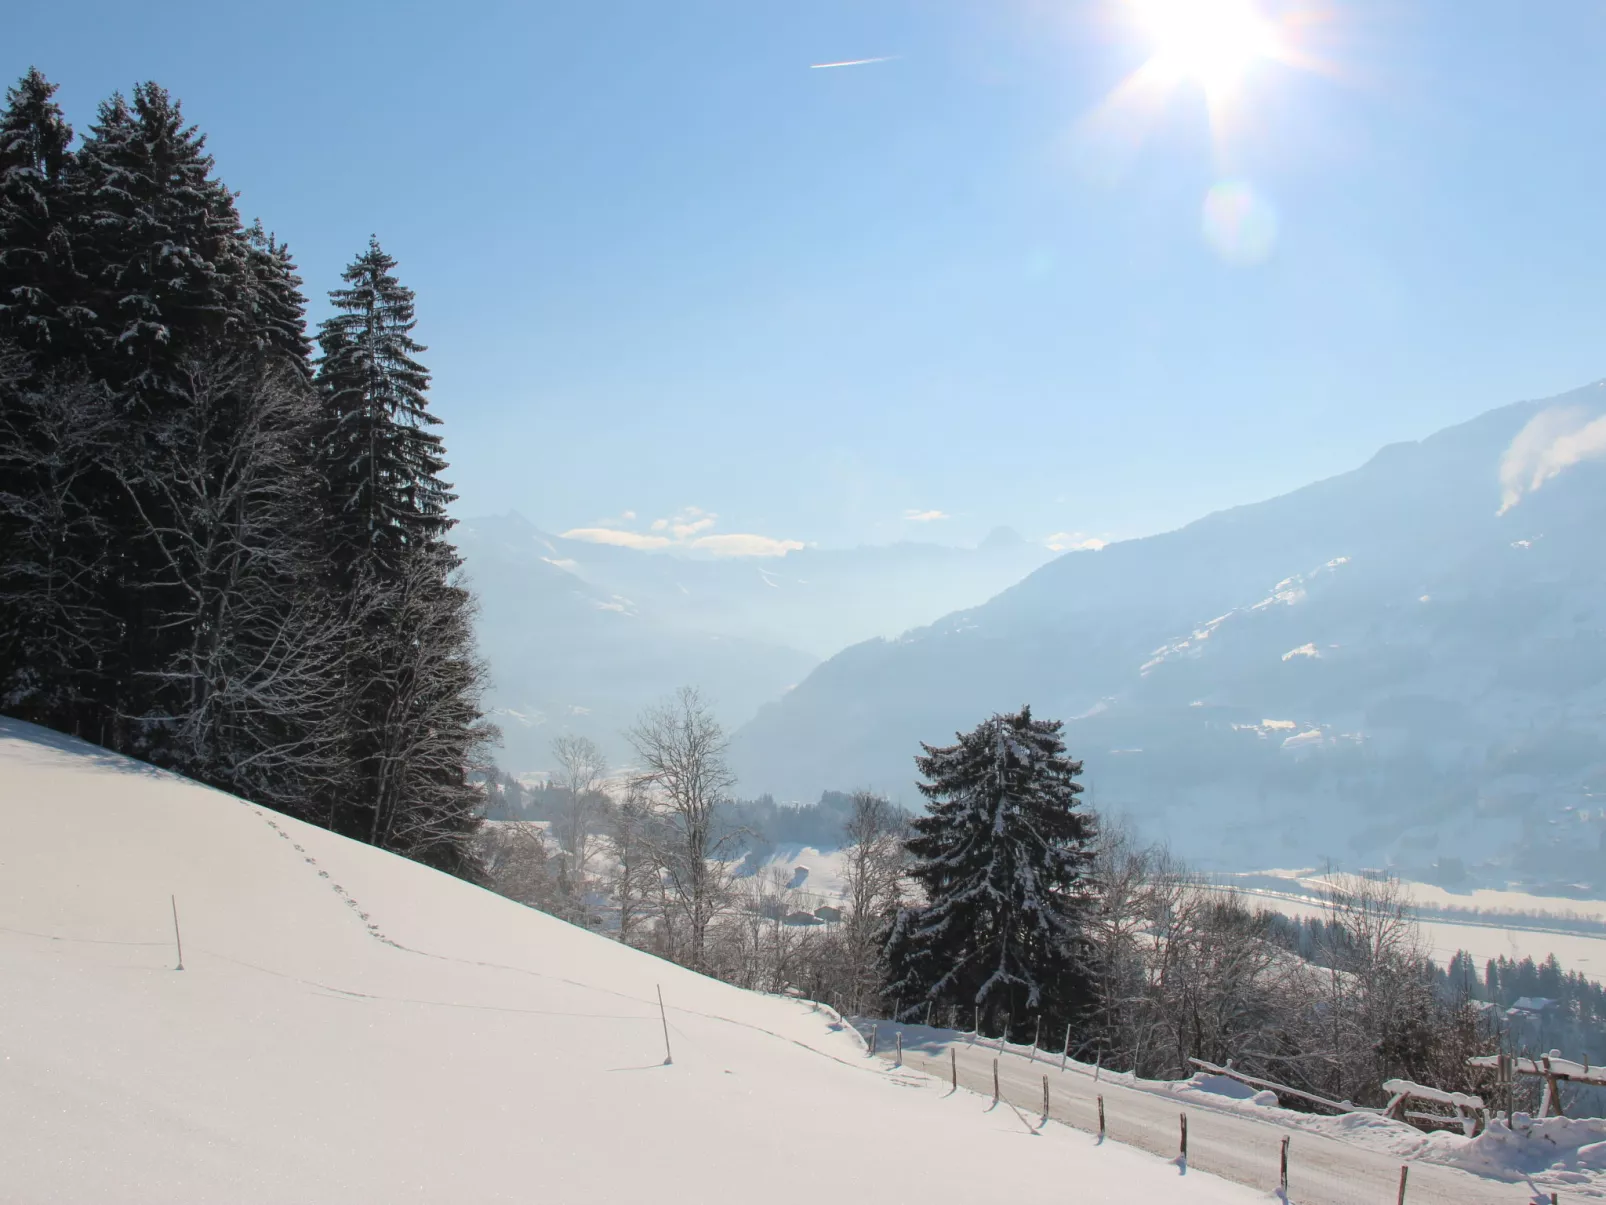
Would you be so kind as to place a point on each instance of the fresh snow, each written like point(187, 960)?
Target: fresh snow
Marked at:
point(352, 1027)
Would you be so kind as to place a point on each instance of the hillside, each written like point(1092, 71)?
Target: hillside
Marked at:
point(352, 1027)
point(1388, 667)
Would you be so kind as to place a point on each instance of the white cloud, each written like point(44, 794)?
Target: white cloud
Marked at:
point(691, 529)
point(925, 516)
point(1073, 541)
point(686, 530)
point(621, 539)
point(745, 544)
point(1555, 439)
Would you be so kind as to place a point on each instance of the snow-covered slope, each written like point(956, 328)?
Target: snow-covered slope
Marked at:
point(352, 1027)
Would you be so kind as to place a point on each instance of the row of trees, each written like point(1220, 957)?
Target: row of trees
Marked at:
point(220, 552)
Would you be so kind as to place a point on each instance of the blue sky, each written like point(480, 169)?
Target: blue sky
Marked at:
point(663, 264)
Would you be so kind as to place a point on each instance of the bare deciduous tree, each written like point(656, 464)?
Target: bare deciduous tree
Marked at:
point(582, 770)
point(636, 881)
point(684, 776)
point(874, 880)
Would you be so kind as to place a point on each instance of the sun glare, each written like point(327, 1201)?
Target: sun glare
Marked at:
point(1212, 42)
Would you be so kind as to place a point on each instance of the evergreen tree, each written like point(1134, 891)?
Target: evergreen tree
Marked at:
point(277, 311)
point(35, 262)
point(410, 718)
point(1001, 859)
point(382, 463)
point(162, 249)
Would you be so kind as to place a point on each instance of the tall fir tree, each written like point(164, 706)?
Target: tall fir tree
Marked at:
point(382, 463)
point(165, 259)
point(1001, 859)
point(36, 282)
point(410, 715)
point(167, 285)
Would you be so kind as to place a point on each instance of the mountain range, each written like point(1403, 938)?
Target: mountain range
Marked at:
point(1401, 666)
point(580, 636)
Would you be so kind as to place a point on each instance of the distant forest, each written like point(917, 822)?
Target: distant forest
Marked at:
point(223, 542)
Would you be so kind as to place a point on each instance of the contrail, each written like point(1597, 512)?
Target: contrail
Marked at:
point(885, 58)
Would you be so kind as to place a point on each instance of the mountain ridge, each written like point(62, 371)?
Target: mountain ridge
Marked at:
point(1420, 520)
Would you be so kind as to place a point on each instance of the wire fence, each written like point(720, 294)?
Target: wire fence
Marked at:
point(1289, 1165)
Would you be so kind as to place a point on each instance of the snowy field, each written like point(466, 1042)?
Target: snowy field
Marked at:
point(352, 1027)
point(1484, 933)
point(1536, 928)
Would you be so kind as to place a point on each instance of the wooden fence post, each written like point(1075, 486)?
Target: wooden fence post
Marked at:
point(1285, 1168)
point(1184, 1137)
point(1101, 1115)
point(1404, 1172)
point(664, 1017)
point(1045, 1098)
point(995, 1081)
point(899, 1038)
point(874, 1032)
point(1552, 1093)
point(953, 1066)
point(177, 940)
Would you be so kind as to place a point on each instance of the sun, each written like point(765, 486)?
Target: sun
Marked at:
point(1211, 42)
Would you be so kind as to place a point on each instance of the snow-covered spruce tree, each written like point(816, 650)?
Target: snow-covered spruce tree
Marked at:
point(381, 461)
point(160, 245)
point(1001, 859)
point(36, 280)
point(409, 718)
point(164, 284)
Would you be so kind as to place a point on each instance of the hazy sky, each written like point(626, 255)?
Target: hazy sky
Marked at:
point(664, 263)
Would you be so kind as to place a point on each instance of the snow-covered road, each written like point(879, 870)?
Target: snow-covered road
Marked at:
point(1222, 1139)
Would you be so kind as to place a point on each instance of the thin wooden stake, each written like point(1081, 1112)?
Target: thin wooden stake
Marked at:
point(995, 1081)
point(1045, 1098)
point(953, 1066)
point(1184, 1136)
point(664, 1017)
point(177, 940)
point(874, 1033)
point(977, 1029)
point(1067, 1053)
point(1404, 1172)
point(899, 1038)
point(928, 1014)
point(1285, 1167)
point(1101, 1115)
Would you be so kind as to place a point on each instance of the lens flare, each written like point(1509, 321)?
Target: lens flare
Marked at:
point(1239, 224)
